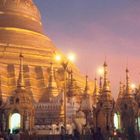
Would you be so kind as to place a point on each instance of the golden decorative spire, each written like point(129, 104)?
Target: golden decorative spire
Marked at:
point(86, 91)
point(71, 85)
point(96, 90)
point(127, 82)
point(124, 90)
point(121, 90)
point(52, 86)
point(109, 85)
point(71, 77)
point(106, 83)
point(101, 85)
point(20, 81)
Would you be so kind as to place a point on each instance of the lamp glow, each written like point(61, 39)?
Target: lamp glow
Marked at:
point(71, 57)
point(100, 71)
point(133, 86)
point(58, 57)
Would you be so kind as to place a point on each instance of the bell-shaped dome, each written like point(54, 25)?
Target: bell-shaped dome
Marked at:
point(20, 14)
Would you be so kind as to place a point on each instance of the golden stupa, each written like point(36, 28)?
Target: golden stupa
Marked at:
point(21, 31)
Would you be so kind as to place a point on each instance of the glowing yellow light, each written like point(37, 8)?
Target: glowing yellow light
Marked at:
point(71, 57)
point(133, 86)
point(100, 71)
point(58, 57)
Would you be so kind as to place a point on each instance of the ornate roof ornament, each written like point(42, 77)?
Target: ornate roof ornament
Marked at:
point(124, 89)
point(20, 81)
point(127, 82)
point(106, 83)
point(105, 94)
point(121, 90)
point(96, 93)
point(21, 99)
point(71, 88)
point(96, 89)
point(86, 104)
point(71, 77)
point(100, 85)
point(52, 85)
point(86, 91)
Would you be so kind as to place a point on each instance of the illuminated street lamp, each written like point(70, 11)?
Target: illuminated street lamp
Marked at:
point(133, 86)
point(64, 63)
point(71, 57)
point(58, 57)
point(100, 71)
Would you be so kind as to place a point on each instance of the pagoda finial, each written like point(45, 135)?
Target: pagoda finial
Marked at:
point(127, 82)
point(124, 89)
point(86, 86)
point(106, 83)
point(121, 90)
point(71, 77)
point(71, 85)
point(96, 90)
point(51, 73)
point(20, 81)
point(52, 86)
point(101, 85)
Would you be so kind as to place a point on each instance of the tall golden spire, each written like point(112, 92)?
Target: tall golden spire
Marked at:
point(86, 91)
point(124, 89)
point(127, 82)
point(96, 90)
point(52, 86)
point(71, 85)
point(71, 77)
point(101, 85)
point(20, 81)
point(106, 83)
point(121, 90)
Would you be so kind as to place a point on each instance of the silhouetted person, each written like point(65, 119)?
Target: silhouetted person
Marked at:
point(93, 134)
point(99, 135)
point(1, 136)
point(131, 133)
point(76, 134)
point(8, 135)
point(63, 133)
point(16, 135)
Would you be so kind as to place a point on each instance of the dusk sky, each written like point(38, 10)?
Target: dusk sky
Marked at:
point(95, 29)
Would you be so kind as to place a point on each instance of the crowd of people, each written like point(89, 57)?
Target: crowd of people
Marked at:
point(15, 135)
point(75, 135)
point(87, 134)
point(97, 134)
